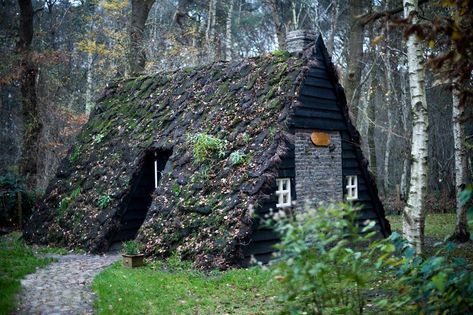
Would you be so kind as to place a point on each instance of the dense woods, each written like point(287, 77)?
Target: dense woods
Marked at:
point(406, 69)
point(202, 135)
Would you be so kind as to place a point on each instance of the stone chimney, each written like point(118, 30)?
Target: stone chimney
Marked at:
point(297, 40)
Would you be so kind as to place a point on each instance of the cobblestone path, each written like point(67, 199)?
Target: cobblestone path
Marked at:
point(63, 287)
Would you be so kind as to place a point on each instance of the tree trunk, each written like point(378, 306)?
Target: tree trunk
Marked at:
point(228, 38)
point(461, 233)
point(32, 124)
point(139, 14)
point(406, 144)
point(355, 56)
point(333, 26)
point(89, 104)
point(278, 24)
point(414, 212)
point(371, 113)
point(210, 33)
point(390, 95)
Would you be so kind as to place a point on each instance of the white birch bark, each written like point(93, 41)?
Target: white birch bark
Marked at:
point(89, 104)
point(461, 232)
point(387, 152)
point(228, 38)
point(404, 120)
point(414, 212)
point(390, 93)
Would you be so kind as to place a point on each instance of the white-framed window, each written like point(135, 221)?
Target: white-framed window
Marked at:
point(283, 192)
point(352, 187)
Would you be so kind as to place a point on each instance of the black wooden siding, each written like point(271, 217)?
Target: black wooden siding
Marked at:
point(321, 108)
point(263, 237)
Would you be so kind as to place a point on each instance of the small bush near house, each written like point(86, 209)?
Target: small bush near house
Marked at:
point(325, 267)
point(439, 284)
point(320, 264)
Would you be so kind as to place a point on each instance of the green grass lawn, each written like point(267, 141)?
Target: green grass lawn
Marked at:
point(156, 289)
point(16, 261)
point(438, 226)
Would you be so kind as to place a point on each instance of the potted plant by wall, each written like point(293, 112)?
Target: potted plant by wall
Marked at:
point(132, 256)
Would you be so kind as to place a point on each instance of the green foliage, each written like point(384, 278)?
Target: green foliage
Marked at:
point(238, 158)
point(132, 248)
point(320, 264)
point(16, 261)
point(11, 186)
point(176, 189)
point(207, 147)
point(98, 138)
point(75, 154)
point(272, 131)
point(104, 201)
point(282, 54)
point(323, 271)
point(67, 201)
point(246, 138)
point(438, 284)
point(173, 287)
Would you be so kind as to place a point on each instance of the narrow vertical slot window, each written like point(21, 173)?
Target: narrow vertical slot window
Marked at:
point(156, 174)
point(352, 187)
point(283, 192)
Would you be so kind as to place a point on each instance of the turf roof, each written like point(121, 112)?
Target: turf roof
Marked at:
point(201, 209)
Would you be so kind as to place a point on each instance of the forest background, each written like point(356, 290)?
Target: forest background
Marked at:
point(56, 57)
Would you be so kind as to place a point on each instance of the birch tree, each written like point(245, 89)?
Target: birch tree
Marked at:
point(461, 232)
point(414, 212)
point(228, 38)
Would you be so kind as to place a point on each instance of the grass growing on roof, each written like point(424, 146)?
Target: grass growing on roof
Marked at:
point(16, 261)
point(175, 288)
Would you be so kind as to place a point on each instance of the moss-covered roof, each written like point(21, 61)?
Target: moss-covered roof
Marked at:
point(200, 209)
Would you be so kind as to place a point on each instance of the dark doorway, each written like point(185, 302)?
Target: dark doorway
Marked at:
point(138, 201)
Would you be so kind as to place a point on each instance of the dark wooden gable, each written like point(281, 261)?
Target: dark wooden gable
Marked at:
point(324, 107)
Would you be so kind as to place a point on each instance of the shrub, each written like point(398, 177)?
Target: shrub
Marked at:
point(12, 186)
point(439, 284)
point(207, 147)
point(325, 266)
point(131, 248)
point(319, 263)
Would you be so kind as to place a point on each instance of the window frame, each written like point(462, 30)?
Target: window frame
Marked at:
point(281, 192)
point(351, 187)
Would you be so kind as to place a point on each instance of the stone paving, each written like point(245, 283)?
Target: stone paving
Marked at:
point(63, 287)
